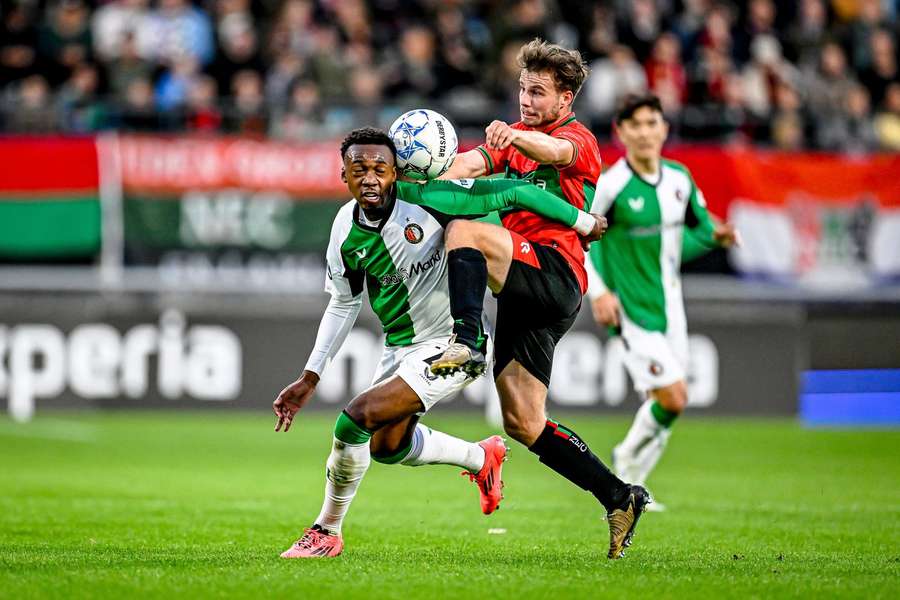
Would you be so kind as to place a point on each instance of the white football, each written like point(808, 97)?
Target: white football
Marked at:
point(426, 143)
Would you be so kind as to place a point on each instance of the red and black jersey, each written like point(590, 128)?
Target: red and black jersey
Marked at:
point(574, 182)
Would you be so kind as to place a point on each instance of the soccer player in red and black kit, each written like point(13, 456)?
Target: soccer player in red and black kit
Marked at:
point(536, 270)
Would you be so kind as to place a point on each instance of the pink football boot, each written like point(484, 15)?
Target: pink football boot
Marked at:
point(490, 485)
point(315, 543)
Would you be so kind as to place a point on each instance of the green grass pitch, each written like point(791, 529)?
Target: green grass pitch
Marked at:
point(200, 504)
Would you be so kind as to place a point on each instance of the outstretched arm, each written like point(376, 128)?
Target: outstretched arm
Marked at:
point(470, 198)
point(703, 232)
point(465, 165)
point(338, 319)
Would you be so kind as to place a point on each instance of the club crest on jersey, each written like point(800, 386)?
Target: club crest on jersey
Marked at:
point(656, 369)
point(679, 195)
point(636, 204)
point(413, 233)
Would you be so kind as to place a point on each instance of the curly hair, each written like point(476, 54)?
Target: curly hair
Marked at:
point(368, 135)
point(567, 66)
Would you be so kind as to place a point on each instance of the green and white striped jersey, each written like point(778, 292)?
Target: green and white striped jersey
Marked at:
point(639, 257)
point(402, 262)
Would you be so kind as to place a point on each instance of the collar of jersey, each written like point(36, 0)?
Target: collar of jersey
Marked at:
point(642, 178)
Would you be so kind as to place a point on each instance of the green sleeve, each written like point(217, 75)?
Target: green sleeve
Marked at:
point(596, 256)
point(697, 219)
point(693, 245)
point(478, 197)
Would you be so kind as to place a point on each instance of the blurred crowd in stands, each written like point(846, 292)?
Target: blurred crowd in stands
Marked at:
point(820, 74)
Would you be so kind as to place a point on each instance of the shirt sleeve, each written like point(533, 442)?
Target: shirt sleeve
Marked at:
point(697, 219)
point(472, 198)
point(495, 161)
point(584, 149)
point(341, 281)
point(594, 266)
point(336, 323)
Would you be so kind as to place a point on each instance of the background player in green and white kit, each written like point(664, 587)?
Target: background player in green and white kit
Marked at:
point(390, 240)
point(656, 214)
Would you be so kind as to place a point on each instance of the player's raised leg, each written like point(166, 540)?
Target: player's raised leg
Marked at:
point(478, 256)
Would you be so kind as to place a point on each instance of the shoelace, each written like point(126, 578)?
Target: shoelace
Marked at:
point(309, 538)
point(472, 476)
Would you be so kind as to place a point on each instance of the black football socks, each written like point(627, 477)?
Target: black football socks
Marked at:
point(563, 451)
point(467, 275)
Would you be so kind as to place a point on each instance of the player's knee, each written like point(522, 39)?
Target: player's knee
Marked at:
point(365, 414)
point(675, 398)
point(521, 428)
point(459, 233)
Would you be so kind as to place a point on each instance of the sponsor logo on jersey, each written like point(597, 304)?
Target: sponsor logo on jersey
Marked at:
point(361, 254)
point(413, 233)
point(402, 274)
point(636, 204)
point(466, 183)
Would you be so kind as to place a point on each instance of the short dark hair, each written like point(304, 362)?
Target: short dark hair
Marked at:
point(368, 135)
point(632, 102)
point(566, 66)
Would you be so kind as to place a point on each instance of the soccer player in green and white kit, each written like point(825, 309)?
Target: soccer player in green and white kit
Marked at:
point(656, 214)
point(390, 239)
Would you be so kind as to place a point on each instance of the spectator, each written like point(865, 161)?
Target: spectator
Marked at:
point(18, 43)
point(173, 85)
point(827, 88)
point(413, 72)
point(291, 32)
point(640, 28)
point(788, 124)
point(287, 68)
point(32, 110)
point(238, 50)
point(611, 80)
point(602, 36)
point(869, 20)
point(764, 74)
point(65, 40)
point(887, 122)
point(852, 130)
point(80, 109)
point(247, 112)
point(521, 19)
point(760, 20)
point(126, 67)
point(114, 23)
point(689, 25)
point(177, 29)
point(717, 33)
point(806, 37)
point(304, 118)
point(666, 76)
point(326, 64)
point(883, 70)
point(138, 111)
point(202, 114)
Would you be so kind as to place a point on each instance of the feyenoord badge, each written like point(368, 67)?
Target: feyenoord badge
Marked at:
point(413, 233)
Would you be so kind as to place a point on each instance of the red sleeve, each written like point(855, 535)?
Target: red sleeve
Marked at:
point(587, 154)
point(495, 161)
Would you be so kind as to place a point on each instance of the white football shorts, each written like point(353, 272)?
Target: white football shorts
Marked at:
point(412, 364)
point(654, 359)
